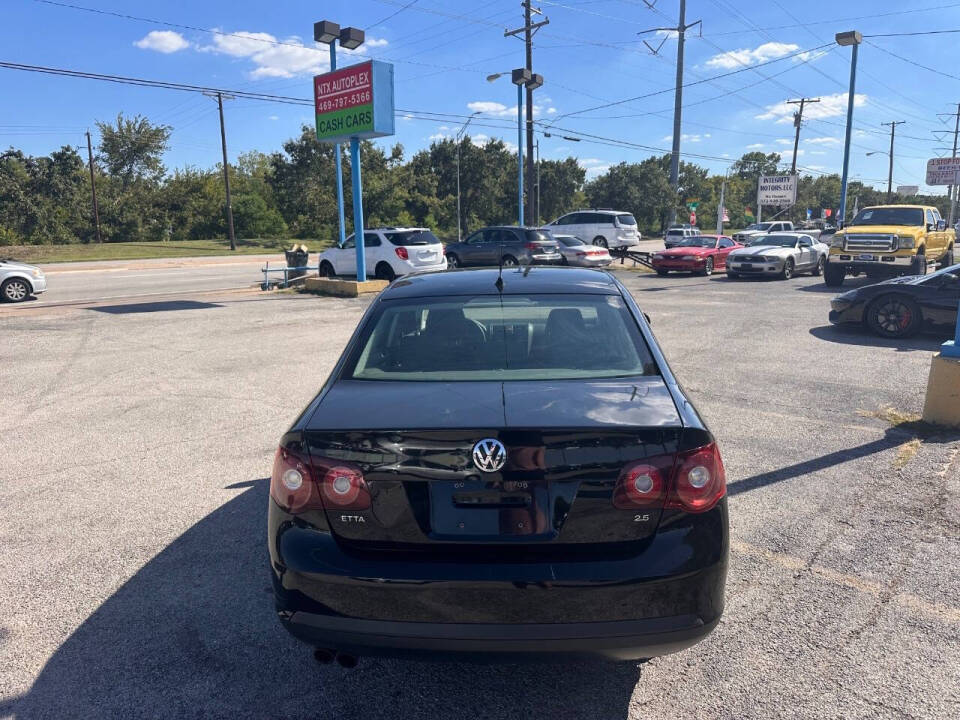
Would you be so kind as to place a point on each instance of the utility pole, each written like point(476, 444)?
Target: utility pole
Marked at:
point(893, 130)
point(93, 189)
point(226, 171)
point(797, 122)
point(956, 131)
point(681, 30)
point(529, 29)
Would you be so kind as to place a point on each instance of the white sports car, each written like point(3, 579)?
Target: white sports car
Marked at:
point(782, 255)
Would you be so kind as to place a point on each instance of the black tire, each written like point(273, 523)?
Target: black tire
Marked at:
point(601, 241)
point(948, 258)
point(707, 267)
point(918, 266)
point(894, 316)
point(453, 260)
point(326, 270)
point(833, 275)
point(563, 260)
point(821, 264)
point(16, 290)
point(787, 271)
point(509, 261)
point(384, 272)
point(663, 273)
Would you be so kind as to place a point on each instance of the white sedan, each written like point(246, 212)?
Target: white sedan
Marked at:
point(389, 252)
point(780, 255)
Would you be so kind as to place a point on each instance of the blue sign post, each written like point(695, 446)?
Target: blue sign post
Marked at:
point(354, 103)
point(341, 224)
point(951, 348)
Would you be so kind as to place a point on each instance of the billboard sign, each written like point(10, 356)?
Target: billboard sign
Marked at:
point(354, 102)
point(908, 190)
point(777, 190)
point(943, 171)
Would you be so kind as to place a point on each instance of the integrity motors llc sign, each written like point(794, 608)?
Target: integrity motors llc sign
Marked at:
point(354, 102)
point(777, 190)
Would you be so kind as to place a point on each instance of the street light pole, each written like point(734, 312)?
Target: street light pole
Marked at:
point(338, 164)
point(852, 38)
point(459, 141)
point(520, 155)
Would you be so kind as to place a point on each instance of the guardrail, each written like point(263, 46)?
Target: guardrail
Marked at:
point(266, 270)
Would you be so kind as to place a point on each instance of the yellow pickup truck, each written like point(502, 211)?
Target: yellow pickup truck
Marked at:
point(890, 240)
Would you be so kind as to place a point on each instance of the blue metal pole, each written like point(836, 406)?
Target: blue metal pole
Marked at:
point(846, 144)
point(358, 209)
point(520, 155)
point(337, 163)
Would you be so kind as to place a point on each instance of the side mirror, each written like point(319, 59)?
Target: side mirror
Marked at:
point(941, 224)
point(930, 227)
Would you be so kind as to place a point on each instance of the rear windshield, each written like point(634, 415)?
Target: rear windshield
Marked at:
point(889, 216)
point(538, 236)
point(412, 237)
point(570, 241)
point(675, 232)
point(626, 219)
point(514, 337)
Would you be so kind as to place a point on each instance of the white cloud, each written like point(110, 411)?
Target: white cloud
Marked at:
point(273, 117)
point(745, 57)
point(685, 137)
point(784, 141)
point(822, 141)
point(163, 41)
point(829, 106)
point(281, 58)
point(755, 146)
point(436, 137)
point(672, 34)
point(594, 166)
point(496, 109)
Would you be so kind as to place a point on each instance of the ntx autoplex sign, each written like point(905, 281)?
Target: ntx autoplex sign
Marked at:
point(354, 102)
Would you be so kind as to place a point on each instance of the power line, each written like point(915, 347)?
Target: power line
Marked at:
point(392, 15)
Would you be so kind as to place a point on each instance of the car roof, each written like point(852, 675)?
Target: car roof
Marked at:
point(525, 280)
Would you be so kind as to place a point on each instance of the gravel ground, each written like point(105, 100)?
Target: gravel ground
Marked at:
point(133, 578)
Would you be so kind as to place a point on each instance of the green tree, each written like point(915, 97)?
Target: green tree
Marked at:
point(133, 149)
point(560, 183)
point(640, 188)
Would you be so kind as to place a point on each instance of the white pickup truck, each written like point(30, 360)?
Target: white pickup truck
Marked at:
point(747, 235)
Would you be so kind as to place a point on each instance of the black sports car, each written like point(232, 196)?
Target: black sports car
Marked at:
point(499, 467)
point(901, 306)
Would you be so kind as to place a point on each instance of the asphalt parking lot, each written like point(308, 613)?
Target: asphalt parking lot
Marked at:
point(137, 438)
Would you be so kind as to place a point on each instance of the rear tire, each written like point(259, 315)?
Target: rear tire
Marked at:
point(663, 273)
point(509, 261)
point(16, 290)
point(384, 272)
point(326, 270)
point(948, 258)
point(833, 275)
point(787, 271)
point(707, 268)
point(894, 316)
point(601, 241)
point(453, 260)
point(821, 264)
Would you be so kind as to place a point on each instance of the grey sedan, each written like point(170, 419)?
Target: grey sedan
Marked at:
point(576, 252)
point(18, 281)
point(508, 244)
point(781, 255)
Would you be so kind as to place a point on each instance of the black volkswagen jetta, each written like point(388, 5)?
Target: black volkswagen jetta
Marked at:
point(499, 467)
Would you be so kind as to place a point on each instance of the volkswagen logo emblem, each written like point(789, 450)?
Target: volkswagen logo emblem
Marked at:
point(489, 455)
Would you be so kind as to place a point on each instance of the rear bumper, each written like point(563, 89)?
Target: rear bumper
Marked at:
point(622, 640)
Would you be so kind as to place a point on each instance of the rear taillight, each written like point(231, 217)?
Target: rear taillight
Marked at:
point(402, 253)
point(693, 481)
point(699, 480)
point(532, 246)
point(298, 485)
point(643, 484)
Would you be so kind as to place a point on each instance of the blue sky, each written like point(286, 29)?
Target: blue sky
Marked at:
point(590, 55)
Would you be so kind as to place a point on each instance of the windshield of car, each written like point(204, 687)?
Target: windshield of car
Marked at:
point(538, 236)
point(494, 338)
point(706, 242)
point(626, 219)
point(889, 216)
point(412, 237)
point(569, 240)
point(777, 240)
point(675, 232)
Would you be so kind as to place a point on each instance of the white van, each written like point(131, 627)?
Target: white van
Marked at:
point(611, 229)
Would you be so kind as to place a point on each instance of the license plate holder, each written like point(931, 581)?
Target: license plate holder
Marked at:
point(866, 256)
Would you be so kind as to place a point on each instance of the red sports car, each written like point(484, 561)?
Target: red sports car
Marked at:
point(702, 254)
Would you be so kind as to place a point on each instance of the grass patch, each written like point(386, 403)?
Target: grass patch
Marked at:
point(906, 452)
point(910, 423)
point(145, 250)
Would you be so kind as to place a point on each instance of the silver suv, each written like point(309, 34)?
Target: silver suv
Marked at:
point(18, 281)
point(607, 228)
point(676, 235)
